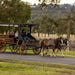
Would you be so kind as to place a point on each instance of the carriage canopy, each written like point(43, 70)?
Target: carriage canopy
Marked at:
point(18, 25)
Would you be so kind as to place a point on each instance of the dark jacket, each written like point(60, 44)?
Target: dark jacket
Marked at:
point(28, 34)
point(23, 34)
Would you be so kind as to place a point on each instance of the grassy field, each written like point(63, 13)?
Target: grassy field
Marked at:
point(19, 67)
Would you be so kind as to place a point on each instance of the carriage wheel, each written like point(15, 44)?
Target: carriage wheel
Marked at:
point(22, 51)
point(37, 51)
point(13, 49)
point(3, 49)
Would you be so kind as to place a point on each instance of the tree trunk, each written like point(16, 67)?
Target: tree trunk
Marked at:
point(48, 34)
point(38, 34)
point(68, 30)
point(45, 34)
point(6, 32)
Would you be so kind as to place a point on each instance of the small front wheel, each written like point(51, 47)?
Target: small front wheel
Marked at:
point(37, 51)
point(13, 49)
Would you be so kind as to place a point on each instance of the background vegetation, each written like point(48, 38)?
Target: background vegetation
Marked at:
point(50, 17)
point(58, 20)
point(14, 11)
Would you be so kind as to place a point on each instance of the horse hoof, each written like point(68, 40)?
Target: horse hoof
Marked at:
point(42, 55)
point(55, 56)
point(45, 53)
point(50, 56)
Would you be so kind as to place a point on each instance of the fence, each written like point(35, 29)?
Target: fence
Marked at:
point(72, 45)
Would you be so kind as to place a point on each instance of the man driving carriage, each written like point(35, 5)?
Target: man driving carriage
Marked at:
point(27, 36)
point(24, 36)
point(30, 36)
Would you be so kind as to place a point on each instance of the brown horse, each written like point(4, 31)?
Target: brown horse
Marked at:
point(52, 44)
point(46, 44)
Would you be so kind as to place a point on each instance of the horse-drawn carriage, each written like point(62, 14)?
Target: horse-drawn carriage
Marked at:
point(5, 40)
point(34, 45)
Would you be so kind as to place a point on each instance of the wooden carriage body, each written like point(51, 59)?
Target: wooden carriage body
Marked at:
point(32, 45)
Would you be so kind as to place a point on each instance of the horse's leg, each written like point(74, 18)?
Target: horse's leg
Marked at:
point(54, 53)
point(61, 53)
point(57, 52)
point(42, 52)
point(48, 52)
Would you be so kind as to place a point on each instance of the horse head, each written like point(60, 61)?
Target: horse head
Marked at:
point(64, 41)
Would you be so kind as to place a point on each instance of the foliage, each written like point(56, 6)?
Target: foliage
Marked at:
point(66, 26)
point(14, 11)
point(45, 2)
point(50, 1)
point(44, 24)
point(51, 26)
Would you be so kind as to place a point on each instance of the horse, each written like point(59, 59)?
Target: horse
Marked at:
point(64, 44)
point(52, 44)
point(49, 44)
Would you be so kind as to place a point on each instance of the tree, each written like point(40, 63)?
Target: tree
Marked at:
point(43, 7)
point(66, 26)
point(14, 11)
point(51, 2)
point(43, 23)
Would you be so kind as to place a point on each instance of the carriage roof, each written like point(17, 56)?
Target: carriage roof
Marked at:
point(17, 24)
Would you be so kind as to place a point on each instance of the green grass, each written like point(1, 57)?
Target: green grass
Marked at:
point(66, 53)
point(19, 67)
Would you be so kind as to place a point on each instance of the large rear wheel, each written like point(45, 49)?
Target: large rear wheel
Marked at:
point(3, 49)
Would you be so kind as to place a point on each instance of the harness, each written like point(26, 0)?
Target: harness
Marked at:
point(51, 42)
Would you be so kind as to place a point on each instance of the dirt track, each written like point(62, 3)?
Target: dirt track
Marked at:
point(38, 58)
